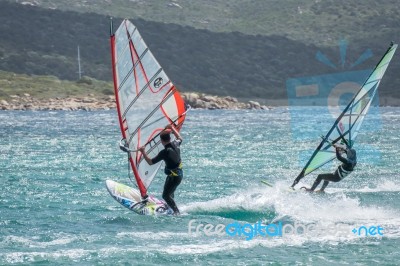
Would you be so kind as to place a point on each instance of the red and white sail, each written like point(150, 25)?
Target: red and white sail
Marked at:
point(146, 99)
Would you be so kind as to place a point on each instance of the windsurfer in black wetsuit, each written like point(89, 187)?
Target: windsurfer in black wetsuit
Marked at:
point(343, 170)
point(173, 165)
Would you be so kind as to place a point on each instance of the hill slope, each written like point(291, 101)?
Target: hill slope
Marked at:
point(44, 42)
point(309, 21)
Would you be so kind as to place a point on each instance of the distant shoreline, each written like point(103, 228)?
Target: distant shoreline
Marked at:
point(195, 100)
point(384, 101)
point(92, 103)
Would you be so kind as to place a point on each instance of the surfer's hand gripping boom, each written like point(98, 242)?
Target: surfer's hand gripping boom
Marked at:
point(335, 144)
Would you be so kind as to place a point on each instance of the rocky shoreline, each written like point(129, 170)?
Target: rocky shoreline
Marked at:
point(26, 102)
point(203, 101)
point(91, 103)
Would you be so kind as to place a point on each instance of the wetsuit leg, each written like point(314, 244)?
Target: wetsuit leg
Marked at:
point(326, 177)
point(324, 185)
point(171, 183)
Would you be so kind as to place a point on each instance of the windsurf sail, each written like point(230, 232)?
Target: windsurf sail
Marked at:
point(146, 99)
point(346, 127)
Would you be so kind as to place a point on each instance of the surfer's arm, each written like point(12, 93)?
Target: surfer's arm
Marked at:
point(145, 156)
point(340, 157)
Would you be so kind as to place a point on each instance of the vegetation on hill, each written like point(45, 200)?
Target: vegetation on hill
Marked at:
point(45, 87)
point(44, 42)
point(319, 22)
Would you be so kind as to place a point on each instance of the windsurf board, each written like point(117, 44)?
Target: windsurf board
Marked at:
point(130, 198)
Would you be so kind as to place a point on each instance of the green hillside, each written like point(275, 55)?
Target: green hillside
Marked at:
point(310, 21)
point(45, 87)
point(44, 42)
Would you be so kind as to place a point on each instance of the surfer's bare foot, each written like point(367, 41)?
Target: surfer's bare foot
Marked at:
point(320, 191)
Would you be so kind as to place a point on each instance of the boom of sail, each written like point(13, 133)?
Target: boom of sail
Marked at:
point(347, 125)
point(146, 99)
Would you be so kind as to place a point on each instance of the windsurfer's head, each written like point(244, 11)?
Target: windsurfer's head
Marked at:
point(351, 154)
point(165, 136)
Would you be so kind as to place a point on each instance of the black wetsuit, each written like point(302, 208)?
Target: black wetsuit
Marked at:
point(173, 169)
point(343, 170)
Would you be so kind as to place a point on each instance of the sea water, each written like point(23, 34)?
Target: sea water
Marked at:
point(56, 210)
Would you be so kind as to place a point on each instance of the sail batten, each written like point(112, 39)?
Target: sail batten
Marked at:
point(141, 91)
point(146, 100)
point(143, 124)
point(347, 125)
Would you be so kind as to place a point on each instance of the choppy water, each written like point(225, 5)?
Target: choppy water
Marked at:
point(55, 209)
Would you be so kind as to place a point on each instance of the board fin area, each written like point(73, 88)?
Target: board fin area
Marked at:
point(130, 198)
point(305, 189)
point(288, 189)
